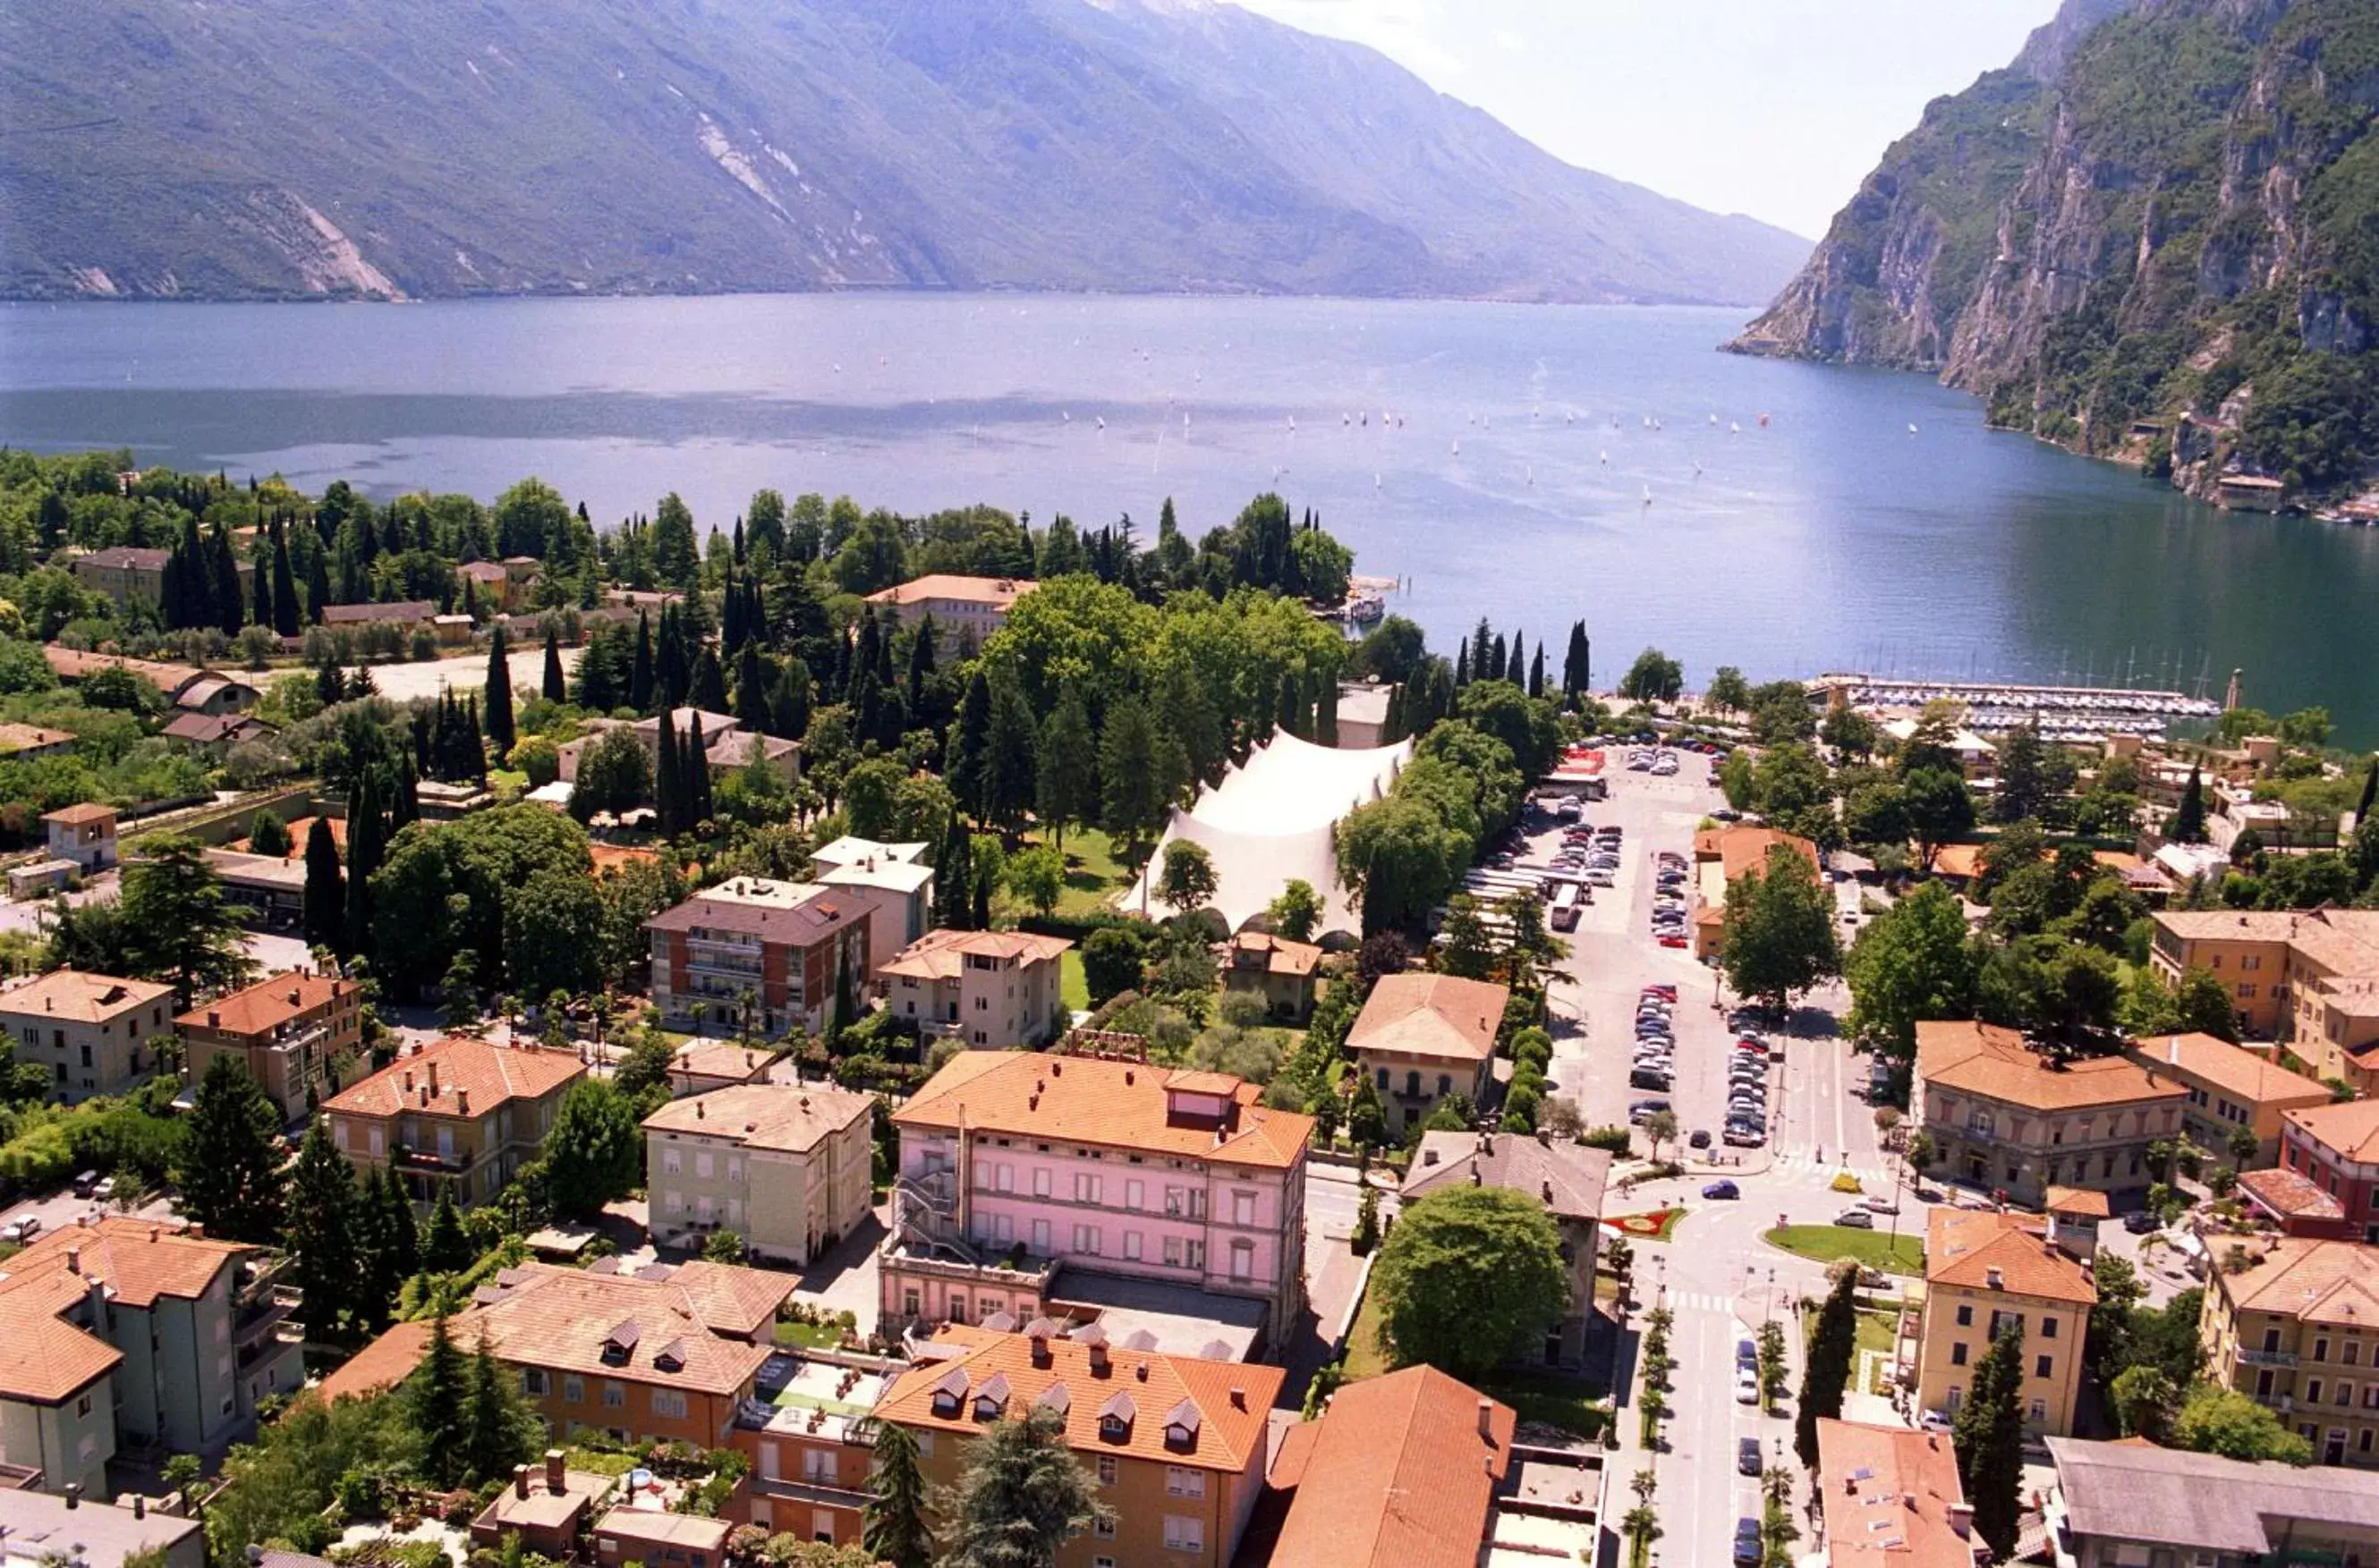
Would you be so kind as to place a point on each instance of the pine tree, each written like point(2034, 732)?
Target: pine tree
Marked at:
point(954, 877)
point(1066, 789)
point(2189, 820)
point(498, 1424)
point(669, 781)
point(1131, 809)
point(1826, 1372)
point(445, 1249)
point(321, 1237)
point(230, 1174)
point(499, 694)
point(893, 1526)
point(557, 687)
point(1022, 1496)
point(967, 741)
point(287, 618)
point(1007, 774)
point(364, 825)
point(1988, 1437)
point(640, 676)
point(438, 1397)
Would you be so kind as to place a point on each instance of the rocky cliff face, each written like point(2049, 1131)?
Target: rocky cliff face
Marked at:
point(2163, 208)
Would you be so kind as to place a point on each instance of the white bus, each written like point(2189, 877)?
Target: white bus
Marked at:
point(1565, 905)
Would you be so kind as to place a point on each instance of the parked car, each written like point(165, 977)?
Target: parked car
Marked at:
point(2140, 1221)
point(1855, 1219)
point(1880, 1205)
point(84, 1182)
point(105, 1189)
point(1746, 1456)
point(18, 1232)
point(1744, 1136)
point(1719, 1190)
point(1746, 1385)
point(1746, 1354)
point(1700, 1138)
point(1749, 1552)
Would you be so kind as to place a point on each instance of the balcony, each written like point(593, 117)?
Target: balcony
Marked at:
point(260, 1316)
point(2266, 1358)
point(413, 1159)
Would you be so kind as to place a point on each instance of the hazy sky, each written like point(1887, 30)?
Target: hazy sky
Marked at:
point(1776, 108)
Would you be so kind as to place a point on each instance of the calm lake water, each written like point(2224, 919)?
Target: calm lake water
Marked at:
point(1498, 457)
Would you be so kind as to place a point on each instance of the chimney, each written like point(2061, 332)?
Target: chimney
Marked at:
point(1141, 1372)
point(1962, 1518)
point(520, 1482)
point(462, 1101)
point(140, 1506)
point(1238, 1398)
point(74, 1495)
point(553, 1481)
point(1056, 1065)
point(1993, 1278)
point(2172, 1051)
point(1429, 1156)
point(1099, 1360)
point(214, 1018)
point(699, 1114)
point(433, 1080)
point(408, 1081)
point(74, 1260)
point(1487, 1418)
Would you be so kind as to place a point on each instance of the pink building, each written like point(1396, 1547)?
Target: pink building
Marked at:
point(1015, 1166)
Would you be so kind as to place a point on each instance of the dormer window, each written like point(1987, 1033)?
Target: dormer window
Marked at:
point(1116, 1418)
point(949, 1394)
point(621, 1344)
point(1181, 1425)
point(670, 1358)
point(991, 1400)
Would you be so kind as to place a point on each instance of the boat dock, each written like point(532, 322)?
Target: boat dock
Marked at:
point(2063, 713)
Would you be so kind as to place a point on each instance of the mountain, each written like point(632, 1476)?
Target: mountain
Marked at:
point(230, 149)
point(2153, 237)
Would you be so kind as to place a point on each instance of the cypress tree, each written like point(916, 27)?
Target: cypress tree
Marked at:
point(1392, 727)
point(954, 877)
point(2188, 819)
point(364, 825)
point(325, 918)
point(666, 779)
point(695, 756)
point(1517, 671)
point(789, 702)
point(557, 686)
point(2370, 792)
point(1574, 663)
point(500, 693)
point(750, 688)
point(967, 741)
point(1462, 667)
point(1537, 673)
point(1826, 1373)
point(640, 675)
point(317, 584)
point(260, 584)
point(1988, 1437)
point(405, 803)
point(708, 689)
point(1491, 667)
point(286, 615)
point(439, 1398)
point(229, 602)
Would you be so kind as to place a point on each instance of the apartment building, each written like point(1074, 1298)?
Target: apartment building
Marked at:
point(1014, 1164)
point(892, 880)
point(1721, 857)
point(119, 1335)
point(1280, 972)
point(1985, 1270)
point(89, 1032)
point(2336, 1150)
point(2231, 1090)
point(1891, 1499)
point(2116, 1504)
point(1568, 1179)
point(2308, 978)
point(287, 1031)
point(2296, 1329)
point(1177, 1446)
point(2007, 1119)
point(84, 834)
point(127, 573)
point(457, 1114)
point(757, 953)
point(996, 989)
point(964, 608)
point(785, 1167)
point(1424, 1037)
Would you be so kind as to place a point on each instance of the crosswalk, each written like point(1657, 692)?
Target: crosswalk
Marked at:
point(1874, 1178)
point(1700, 1301)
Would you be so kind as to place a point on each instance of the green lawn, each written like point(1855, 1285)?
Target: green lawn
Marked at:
point(1826, 1242)
point(1092, 875)
point(1072, 989)
point(598, 1461)
point(1364, 1357)
point(1572, 1405)
point(810, 1336)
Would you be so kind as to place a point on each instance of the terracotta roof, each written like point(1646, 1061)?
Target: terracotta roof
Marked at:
point(1119, 1104)
point(1567, 1178)
point(790, 1117)
point(1964, 860)
point(2289, 1194)
point(2321, 1282)
point(1738, 850)
point(2237, 1072)
point(84, 814)
point(72, 664)
point(127, 557)
point(2350, 1130)
point(801, 925)
point(1981, 1058)
point(45, 1358)
point(482, 571)
point(1431, 1014)
point(1279, 954)
point(995, 593)
point(1400, 1477)
point(2077, 1201)
point(490, 1075)
point(1228, 1403)
point(384, 1363)
point(1889, 1492)
point(28, 737)
point(267, 1004)
point(940, 955)
point(80, 998)
point(206, 728)
point(683, 1532)
point(1966, 1248)
point(2343, 941)
point(722, 1058)
point(621, 1325)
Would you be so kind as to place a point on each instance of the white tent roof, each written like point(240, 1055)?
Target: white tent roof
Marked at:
point(1270, 821)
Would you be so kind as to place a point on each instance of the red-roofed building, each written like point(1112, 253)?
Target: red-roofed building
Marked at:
point(996, 989)
point(1423, 1037)
point(458, 1114)
point(773, 949)
point(285, 1030)
point(2336, 1148)
point(1892, 1500)
point(1014, 1163)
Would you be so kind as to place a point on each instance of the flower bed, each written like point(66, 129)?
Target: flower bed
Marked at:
point(1654, 1226)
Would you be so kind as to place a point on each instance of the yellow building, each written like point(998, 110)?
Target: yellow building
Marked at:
point(2296, 1329)
point(2231, 1089)
point(456, 1114)
point(2308, 978)
point(1273, 968)
point(1177, 1445)
point(2005, 1118)
point(1983, 1269)
point(782, 1165)
point(1423, 1037)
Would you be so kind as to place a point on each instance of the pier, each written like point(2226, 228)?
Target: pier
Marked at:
point(2063, 713)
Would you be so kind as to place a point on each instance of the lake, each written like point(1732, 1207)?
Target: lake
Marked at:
point(1534, 463)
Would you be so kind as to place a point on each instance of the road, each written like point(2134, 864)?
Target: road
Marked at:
point(1716, 1274)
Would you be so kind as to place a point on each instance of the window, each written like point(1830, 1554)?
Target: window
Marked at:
point(2345, 1392)
point(2048, 1326)
point(1132, 1246)
point(533, 1381)
point(83, 1406)
point(672, 1161)
point(1243, 1260)
point(1193, 1254)
point(1106, 1470)
point(668, 1401)
point(2312, 1391)
point(1086, 1239)
point(1132, 1194)
point(1958, 1354)
point(1184, 1535)
point(615, 1396)
point(1086, 1188)
point(1172, 1251)
point(818, 1465)
point(2040, 1366)
point(1965, 1315)
point(1110, 1563)
point(573, 1390)
point(1182, 1481)
point(1041, 1183)
point(2320, 1349)
point(1243, 1208)
point(1173, 1198)
point(2037, 1413)
point(1003, 1179)
point(1104, 1530)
